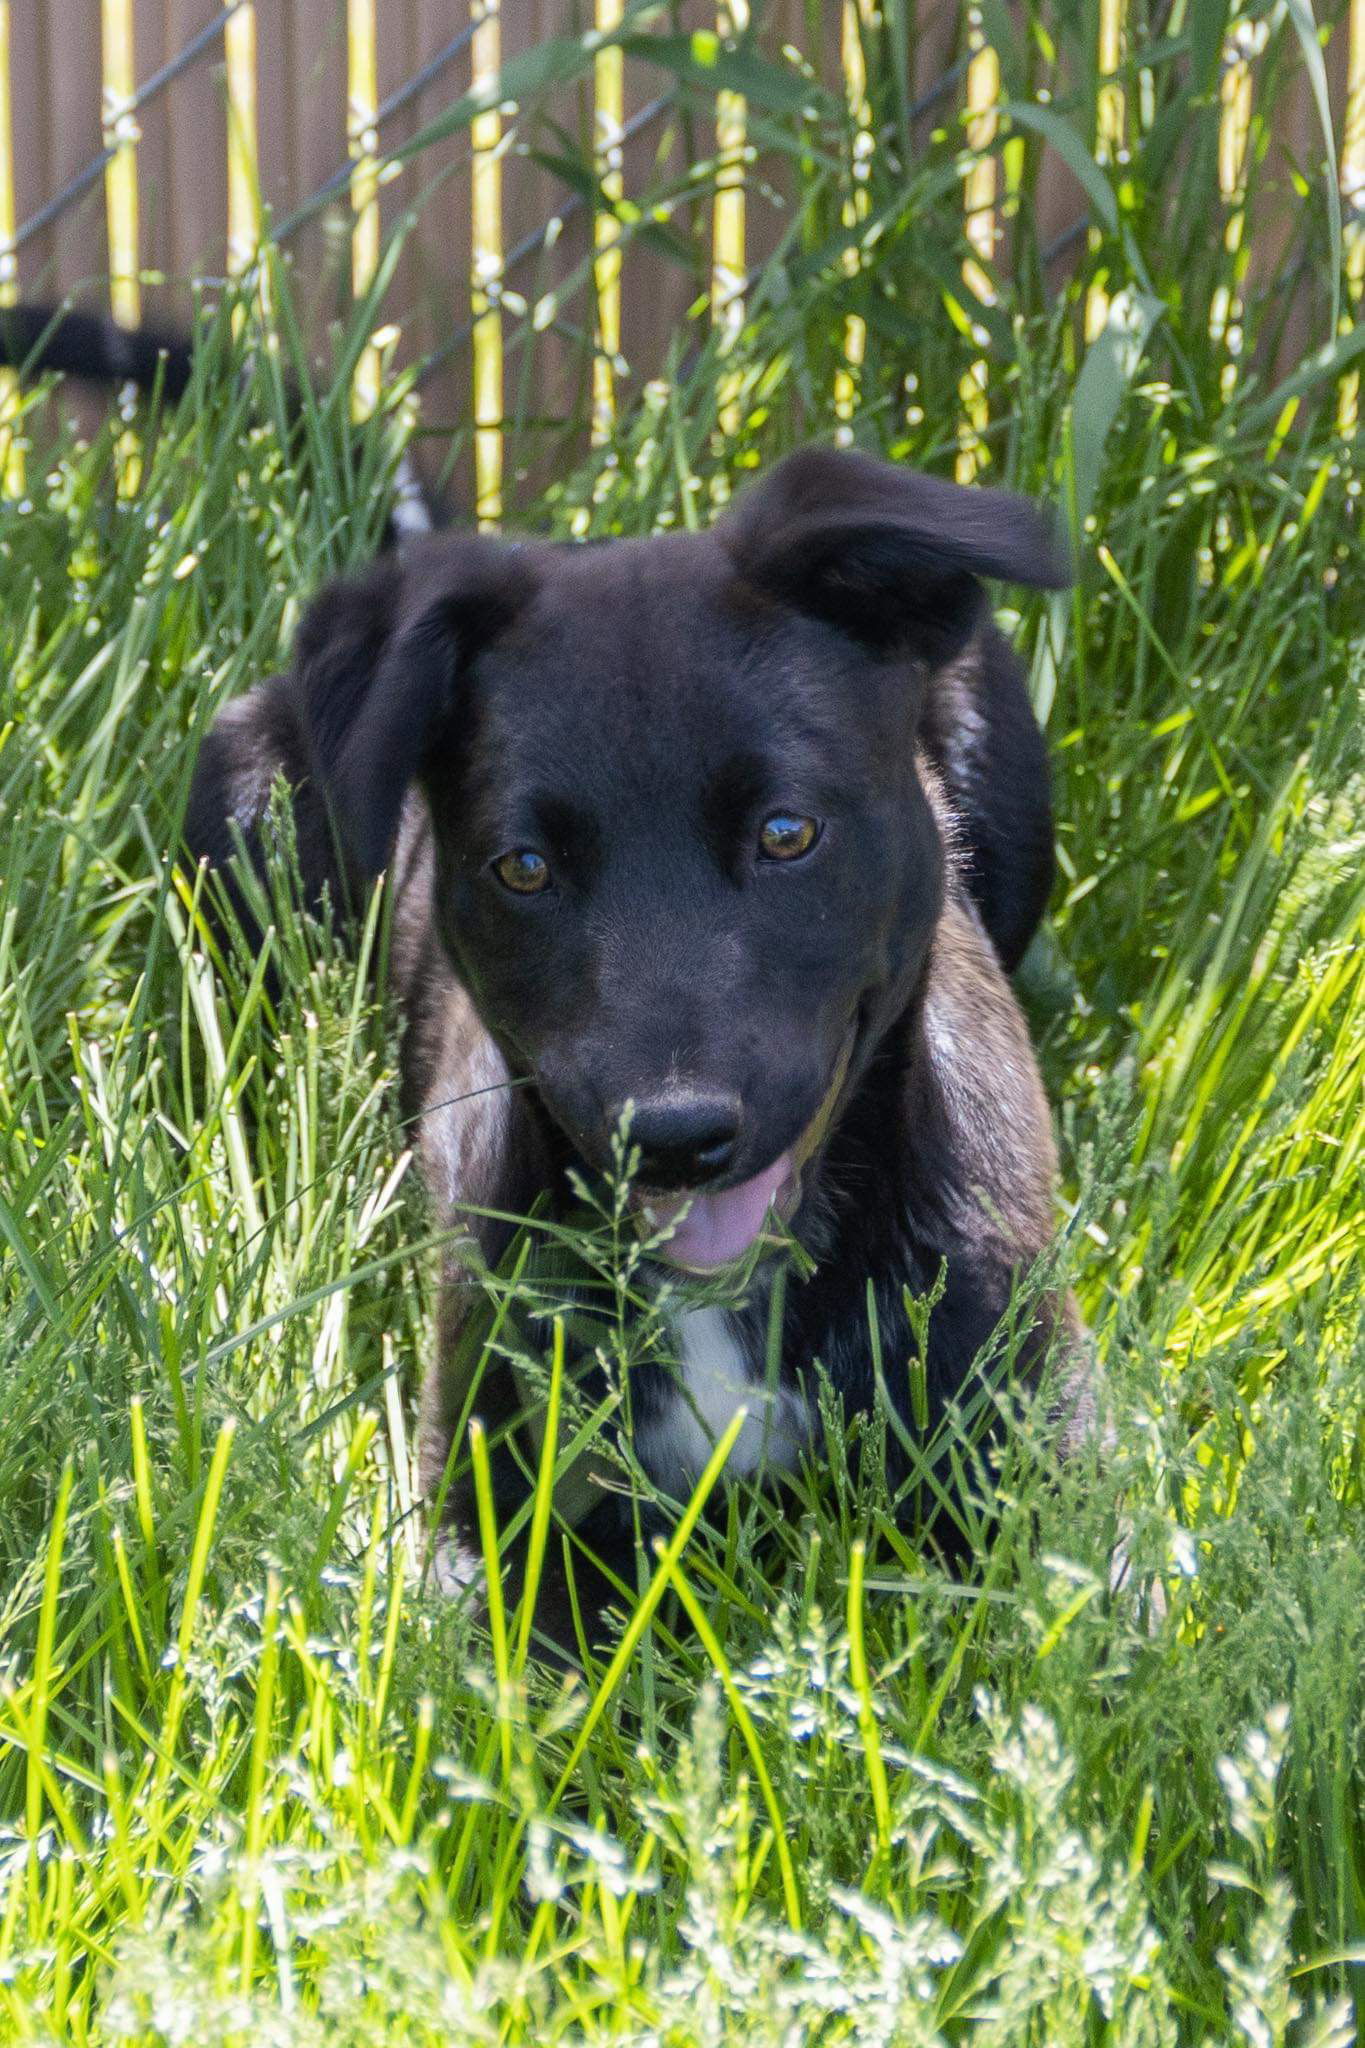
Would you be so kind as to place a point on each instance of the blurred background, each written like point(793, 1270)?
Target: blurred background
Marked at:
point(539, 200)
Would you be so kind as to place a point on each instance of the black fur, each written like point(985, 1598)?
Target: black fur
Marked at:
point(632, 713)
point(89, 346)
point(986, 744)
point(96, 350)
point(865, 546)
point(886, 553)
point(881, 551)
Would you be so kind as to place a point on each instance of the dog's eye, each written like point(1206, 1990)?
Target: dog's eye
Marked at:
point(786, 837)
point(522, 871)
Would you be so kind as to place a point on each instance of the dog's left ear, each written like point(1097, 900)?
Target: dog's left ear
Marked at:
point(889, 555)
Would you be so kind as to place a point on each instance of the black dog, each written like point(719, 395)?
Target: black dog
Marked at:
point(740, 829)
point(743, 830)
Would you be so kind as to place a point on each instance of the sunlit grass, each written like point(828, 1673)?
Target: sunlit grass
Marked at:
point(257, 1782)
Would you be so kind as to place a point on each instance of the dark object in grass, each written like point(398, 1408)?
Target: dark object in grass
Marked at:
point(37, 340)
point(91, 346)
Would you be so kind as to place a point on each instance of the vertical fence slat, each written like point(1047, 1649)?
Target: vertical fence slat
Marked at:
point(486, 278)
point(11, 454)
point(1111, 110)
point(119, 74)
point(243, 161)
point(609, 94)
point(1111, 115)
point(362, 141)
point(120, 175)
point(983, 100)
point(856, 21)
point(728, 267)
point(1353, 205)
point(1246, 40)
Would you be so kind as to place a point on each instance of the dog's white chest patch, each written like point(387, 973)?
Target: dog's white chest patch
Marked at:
point(714, 1379)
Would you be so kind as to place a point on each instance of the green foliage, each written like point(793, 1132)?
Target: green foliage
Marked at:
point(257, 1781)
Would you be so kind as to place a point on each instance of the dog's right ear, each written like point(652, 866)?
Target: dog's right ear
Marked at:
point(377, 669)
point(885, 553)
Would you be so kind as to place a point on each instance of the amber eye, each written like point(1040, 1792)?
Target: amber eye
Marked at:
point(785, 837)
point(522, 871)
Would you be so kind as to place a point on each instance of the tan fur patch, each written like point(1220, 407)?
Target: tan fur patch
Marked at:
point(979, 1048)
point(983, 1062)
point(1004, 1194)
point(956, 687)
point(459, 1085)
point(256, 763)
point(464, 1101)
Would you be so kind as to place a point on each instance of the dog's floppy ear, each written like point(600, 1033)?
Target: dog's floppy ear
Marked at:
point(888, 554)
point(377, 667)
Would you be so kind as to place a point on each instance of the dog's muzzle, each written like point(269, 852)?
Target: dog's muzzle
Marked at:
point(708, 1229)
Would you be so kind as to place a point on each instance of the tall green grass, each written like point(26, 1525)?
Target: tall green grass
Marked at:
point(257, 1782)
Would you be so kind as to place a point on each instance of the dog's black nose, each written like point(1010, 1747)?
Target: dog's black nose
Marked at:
point(685, 1140)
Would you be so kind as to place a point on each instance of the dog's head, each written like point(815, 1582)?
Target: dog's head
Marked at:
point(682, 855)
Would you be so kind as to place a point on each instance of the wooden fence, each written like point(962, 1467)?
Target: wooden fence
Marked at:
point(140, 141)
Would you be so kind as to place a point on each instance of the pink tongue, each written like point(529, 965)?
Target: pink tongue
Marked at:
point(721, 1227)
